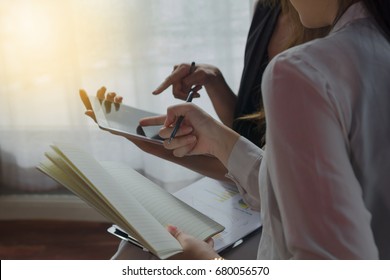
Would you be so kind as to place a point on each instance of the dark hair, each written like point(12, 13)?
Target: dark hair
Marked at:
point(380, 11)
point(299, 35)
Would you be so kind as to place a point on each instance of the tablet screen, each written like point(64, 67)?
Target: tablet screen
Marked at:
point(124, 120)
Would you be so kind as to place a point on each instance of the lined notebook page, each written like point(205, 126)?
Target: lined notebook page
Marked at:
point(165, 207)
point(155, 237)
point(55, 169)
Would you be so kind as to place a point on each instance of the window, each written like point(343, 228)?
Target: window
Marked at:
point(50, 49)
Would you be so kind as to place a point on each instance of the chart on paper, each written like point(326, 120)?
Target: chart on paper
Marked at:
point(223, 203)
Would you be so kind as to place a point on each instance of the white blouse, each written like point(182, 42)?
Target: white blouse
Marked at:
point(325, 176)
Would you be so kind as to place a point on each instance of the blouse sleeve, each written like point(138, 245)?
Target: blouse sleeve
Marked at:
point(318, 195)
point(243, 166)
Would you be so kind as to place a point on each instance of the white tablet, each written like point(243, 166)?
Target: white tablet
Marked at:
point(123, 120)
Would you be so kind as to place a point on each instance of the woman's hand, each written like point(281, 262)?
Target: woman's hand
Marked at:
point(199, 133)
point(205, 165)
point(182, 80)
point(193, 249)
point(222, 97)
point(102, 95)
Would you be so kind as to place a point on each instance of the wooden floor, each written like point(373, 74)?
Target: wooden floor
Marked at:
point(55, 240)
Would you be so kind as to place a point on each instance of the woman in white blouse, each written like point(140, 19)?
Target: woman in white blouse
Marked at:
point(324, 180)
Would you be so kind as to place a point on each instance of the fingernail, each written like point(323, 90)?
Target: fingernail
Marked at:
point(171, 228)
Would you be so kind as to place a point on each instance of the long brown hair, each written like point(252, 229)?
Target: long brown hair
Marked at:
point(299, 35)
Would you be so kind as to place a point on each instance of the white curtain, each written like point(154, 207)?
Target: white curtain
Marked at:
point(51, 48)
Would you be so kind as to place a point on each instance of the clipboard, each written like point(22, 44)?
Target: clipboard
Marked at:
point(123, 120)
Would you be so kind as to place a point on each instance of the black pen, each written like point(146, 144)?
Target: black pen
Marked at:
point(189, 99)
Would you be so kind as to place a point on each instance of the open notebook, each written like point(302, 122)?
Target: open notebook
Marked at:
point(128, 199)
point(221, 202)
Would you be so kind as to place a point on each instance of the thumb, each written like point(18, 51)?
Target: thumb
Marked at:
point(180, 236)
point(175, 232)
point(91, 114)
point(84, 97)
point(149, 121)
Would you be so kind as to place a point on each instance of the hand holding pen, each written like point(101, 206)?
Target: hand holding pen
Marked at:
point(190, 96)
point(199, 133)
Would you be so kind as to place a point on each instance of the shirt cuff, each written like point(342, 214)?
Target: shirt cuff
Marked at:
point(243, 168)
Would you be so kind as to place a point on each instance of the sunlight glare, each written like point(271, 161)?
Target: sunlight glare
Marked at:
point(30, 26)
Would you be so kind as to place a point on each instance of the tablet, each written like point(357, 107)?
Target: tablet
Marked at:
point(123, 120)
